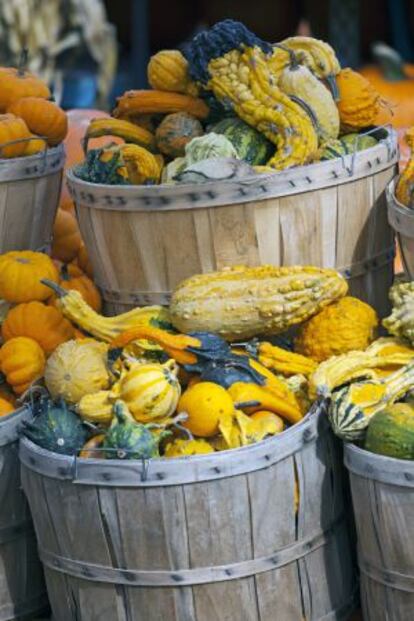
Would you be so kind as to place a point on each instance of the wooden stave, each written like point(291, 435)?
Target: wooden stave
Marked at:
point(29, 195)
point(383, 502)
point(17, 538)
point(401, 219)
point(195, 607)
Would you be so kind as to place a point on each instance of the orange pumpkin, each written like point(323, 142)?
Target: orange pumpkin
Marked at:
point(5, 407)
point(42, 117)
point(83, 261)
point(21, 272)
point(44, 324)
point(22, 361)
point(35, 145)
point(18, 83)
point(72, 277)
point(66, 237)
point(12, 129)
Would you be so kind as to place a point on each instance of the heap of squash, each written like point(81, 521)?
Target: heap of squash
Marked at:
point(29, 121)
point(230, 95)
point(203, 375)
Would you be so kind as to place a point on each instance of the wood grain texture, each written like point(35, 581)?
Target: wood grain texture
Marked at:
point(384, 516)
point(29, 196)
point(140, 254)
point(194, 526)
point(22, 588)
point(402, 221)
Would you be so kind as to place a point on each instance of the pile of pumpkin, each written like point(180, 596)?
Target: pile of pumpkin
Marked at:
point(193, 378)
point(231, 102)
point(29, 120)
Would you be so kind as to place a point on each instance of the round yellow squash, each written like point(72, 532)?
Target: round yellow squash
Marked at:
point(205, 404)
point(76, 369)
point(151, 391)
point(345, 325)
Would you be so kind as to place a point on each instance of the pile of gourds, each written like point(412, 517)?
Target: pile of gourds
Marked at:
point(231, 96)
point(29, 121)
point(202, 375)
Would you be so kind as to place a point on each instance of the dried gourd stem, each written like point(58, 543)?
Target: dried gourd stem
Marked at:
point(306, 107)
point(294, 61)
point(60, 291)
point(24, 56)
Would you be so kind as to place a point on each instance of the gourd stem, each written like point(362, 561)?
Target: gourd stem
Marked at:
point(64, 272)
point(60, 291)
point(24, 55)
point(246, 404)
point(294, 62)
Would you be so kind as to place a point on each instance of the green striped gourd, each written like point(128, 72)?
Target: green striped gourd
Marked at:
point(251, 145)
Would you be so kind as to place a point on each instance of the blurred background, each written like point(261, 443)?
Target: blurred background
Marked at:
point(93, 50)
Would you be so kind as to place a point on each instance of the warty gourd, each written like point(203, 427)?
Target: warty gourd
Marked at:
point(401, 321)
point(241, 302)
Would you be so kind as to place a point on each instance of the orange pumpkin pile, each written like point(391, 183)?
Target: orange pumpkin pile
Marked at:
point(29, 122)
point(33, 326)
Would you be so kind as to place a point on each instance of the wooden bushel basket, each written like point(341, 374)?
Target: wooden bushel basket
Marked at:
point(29, 197)
point(22, 588)
point(202, 538)
point(383, 500)
point(401, 219)
point(143, 240)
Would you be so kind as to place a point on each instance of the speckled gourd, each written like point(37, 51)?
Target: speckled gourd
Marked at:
point(401, 321)
point(241, 302)
point(352, 407)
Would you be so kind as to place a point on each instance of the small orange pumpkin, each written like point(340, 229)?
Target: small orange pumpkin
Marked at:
point(12, 129)
point(42, 117)
point(35, 145)
point(44, 324)
point(23, 362)
point(17, 83)
point(66, 236)
point(72, 277)
point(5, 407)
point(20, 274)
point(83, 261)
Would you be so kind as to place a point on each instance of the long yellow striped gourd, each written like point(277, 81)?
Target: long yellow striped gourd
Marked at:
point(241, 302)
point(123, 129)
point(315, 54)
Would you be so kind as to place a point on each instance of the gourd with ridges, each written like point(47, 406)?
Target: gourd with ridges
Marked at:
point(346, 325)
point(56, 428)
point(96, 407)
point(352, 407)
point(77, 368)
point(280, 360)
point(401, 321)
point(74, 307)
point(128, 439)
point(241, 302)
point(21, 272)
point(233, 63)
point(168, 71)
point(391, 432)
point(152, 102)
point(299, 82)
point(130, 132)
point(22, 361)
point(405, 184)
point(150, 391)
point(250, 145)
point(348, 144)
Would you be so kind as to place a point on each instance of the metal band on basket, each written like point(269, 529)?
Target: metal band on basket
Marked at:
point(163, 298)
point(190, 577)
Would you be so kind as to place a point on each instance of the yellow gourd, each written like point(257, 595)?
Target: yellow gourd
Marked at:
point(205, 404)
point(76, 369)
point(96, 407)
point(280, 402)
point(183, 448)
point(346, 325)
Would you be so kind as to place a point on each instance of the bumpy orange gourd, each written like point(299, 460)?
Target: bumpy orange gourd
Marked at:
point(12, 129)
point(359, 102)
point(346, 325)
point(160, 102)
point(5, 407)
point(66, 236)
point(42, 117)
point(20, 275)
point(44, 324)
point(405, 184)
point(17, 83)
point(22, 361)
point(72, 277)
point(168, 71)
